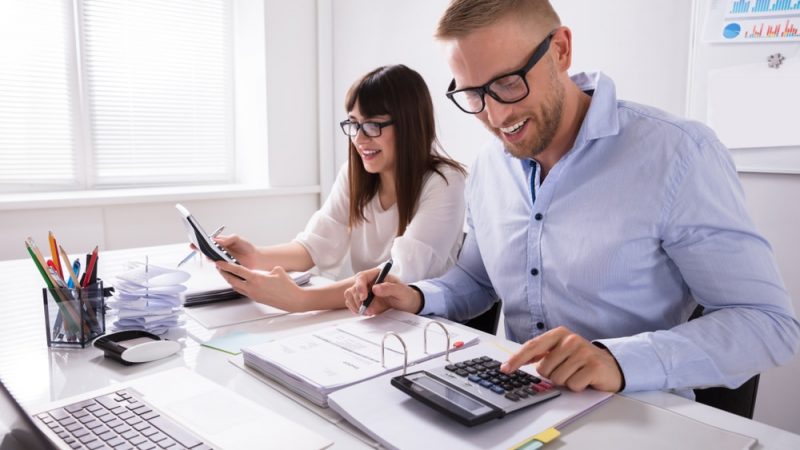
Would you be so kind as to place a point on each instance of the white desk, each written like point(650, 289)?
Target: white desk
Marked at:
point(37, 375)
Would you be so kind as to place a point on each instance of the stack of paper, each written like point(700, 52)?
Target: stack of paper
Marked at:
point(317, 363)
point(147, 297)
point(207, 285)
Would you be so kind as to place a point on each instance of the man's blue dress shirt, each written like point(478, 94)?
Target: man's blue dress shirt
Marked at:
point(643, 219)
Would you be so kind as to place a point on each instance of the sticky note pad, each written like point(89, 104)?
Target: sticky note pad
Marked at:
point(234, 341)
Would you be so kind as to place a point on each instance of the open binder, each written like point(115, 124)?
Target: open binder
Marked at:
point(317, 363)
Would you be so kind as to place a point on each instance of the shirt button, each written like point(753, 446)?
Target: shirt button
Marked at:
point(534, 271)
point(538, 216)
point(539, 325)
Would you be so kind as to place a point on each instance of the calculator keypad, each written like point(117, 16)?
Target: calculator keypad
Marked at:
point(485, 372)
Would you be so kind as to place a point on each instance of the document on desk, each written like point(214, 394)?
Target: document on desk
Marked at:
point(317, 363)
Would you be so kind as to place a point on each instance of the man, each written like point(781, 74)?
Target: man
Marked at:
point(600, 223)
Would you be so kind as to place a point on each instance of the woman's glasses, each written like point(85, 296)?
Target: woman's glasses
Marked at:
point(371, 129)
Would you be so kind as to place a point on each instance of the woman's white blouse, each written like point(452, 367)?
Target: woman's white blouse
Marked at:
point(427, 248)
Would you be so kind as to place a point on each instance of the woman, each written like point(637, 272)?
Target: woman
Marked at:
point(397, 197)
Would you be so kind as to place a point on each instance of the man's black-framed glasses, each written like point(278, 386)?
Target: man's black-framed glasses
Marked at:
point(371, 129)
point(509, 88)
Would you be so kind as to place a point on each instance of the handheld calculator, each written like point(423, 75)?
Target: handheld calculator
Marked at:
point(202, 240)
point(475, 391)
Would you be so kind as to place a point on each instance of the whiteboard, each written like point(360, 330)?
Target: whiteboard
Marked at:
point(751, 106)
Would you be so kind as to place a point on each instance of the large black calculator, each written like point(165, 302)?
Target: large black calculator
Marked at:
point(475, 391)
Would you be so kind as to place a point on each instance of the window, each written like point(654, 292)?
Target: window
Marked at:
point(102, 93)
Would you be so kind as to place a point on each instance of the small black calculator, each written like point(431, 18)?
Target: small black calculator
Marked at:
point(475, 391)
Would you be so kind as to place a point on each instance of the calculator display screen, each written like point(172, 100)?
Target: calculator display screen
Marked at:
point(450, 394)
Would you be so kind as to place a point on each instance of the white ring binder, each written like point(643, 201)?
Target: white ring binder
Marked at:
point(446, 333)
point(383, 350)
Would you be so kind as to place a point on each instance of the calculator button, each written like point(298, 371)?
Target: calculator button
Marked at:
point(521, 393)
point(462, 372)
point(485, 358)
point(477, 360)
point(536, 380)
point(498, 390)
point(471, 370)
point(451, 368)
point(538, 387)
point(530, 391)
point(486, 384)
point(512, 396)
point(503, 377)
point(508, 386)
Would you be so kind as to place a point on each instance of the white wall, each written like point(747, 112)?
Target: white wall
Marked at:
point(643, 46)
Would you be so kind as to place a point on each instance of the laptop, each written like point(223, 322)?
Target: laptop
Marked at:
point(174, 409)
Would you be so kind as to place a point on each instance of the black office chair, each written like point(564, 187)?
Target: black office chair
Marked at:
point(740, 401)
point(488, 320)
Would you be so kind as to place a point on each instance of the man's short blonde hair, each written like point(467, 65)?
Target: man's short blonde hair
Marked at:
point(465, 16)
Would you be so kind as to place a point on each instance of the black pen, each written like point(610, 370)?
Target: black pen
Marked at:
point(384, 271)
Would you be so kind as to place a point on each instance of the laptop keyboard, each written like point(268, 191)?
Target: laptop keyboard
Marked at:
point(118, 421)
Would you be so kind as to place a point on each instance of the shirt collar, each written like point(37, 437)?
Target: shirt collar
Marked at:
point(602, 118)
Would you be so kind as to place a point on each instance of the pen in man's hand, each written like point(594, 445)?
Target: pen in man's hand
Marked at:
point(379, 280)
point(194, 252)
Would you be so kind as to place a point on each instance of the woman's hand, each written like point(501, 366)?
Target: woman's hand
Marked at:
point(274, 288)
point(243, 250)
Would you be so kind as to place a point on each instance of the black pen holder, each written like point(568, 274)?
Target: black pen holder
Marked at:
point(74, 317)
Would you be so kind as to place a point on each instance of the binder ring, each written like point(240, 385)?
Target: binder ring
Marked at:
point(446, 333)
point(383, 350)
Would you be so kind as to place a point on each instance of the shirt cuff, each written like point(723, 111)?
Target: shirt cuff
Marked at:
point(638, 361)
point(434, 299)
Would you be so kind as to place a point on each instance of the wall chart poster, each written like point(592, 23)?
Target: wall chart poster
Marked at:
point(753, 21)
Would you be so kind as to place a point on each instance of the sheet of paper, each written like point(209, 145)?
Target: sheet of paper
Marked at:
point(215, 315)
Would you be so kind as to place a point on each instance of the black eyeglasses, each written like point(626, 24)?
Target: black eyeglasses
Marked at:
point(509, 88)
point(371, 129)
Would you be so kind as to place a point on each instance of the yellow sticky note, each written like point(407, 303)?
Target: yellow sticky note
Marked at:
point(547, 435)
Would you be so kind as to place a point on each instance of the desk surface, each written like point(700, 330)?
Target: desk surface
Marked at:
point(38, 375)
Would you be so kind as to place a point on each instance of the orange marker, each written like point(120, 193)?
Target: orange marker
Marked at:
point(458, 344)
point(54, 252)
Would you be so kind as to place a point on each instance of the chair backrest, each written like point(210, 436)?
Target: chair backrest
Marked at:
point(488, 320)
point(740, 401)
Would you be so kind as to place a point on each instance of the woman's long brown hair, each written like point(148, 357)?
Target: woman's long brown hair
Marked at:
point(402, 94)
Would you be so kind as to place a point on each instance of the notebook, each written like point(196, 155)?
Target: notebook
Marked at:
point(316, 363)
point(175, 405)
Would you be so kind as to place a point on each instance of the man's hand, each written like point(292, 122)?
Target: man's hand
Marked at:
point(569, 360)
point(389, 294)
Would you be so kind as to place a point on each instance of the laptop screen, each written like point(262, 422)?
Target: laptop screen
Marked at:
point(17, 428)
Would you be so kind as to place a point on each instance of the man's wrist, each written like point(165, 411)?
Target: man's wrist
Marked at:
point(421, 298)
point(619, 368)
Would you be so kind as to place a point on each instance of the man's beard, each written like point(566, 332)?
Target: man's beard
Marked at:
point(543, 126)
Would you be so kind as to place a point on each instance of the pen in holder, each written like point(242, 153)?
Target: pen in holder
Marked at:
point(74, 316)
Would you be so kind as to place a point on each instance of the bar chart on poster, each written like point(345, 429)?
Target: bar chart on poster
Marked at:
point(745, 79)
